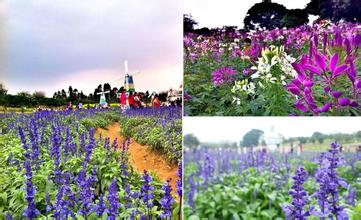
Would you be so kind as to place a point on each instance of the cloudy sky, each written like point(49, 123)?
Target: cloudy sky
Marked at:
point(218, 13)
point(50, 45)
point(214, 129)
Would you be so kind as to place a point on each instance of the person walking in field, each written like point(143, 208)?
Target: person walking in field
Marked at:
point(123, 100)
point(131, 100)
point(156, 102)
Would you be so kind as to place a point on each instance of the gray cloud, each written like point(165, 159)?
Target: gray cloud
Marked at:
point(47, 40)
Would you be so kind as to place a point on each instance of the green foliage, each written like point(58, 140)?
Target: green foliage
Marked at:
point(150, 131)
point(12, 174)
point(251, 138)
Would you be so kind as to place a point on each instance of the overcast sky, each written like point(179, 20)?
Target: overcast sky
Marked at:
point(218, 13)
point(214, 129)
point(50, 45)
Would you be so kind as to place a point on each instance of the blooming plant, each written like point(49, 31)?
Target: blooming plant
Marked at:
point(54, 166)
point(224, 183)
point(308, 70)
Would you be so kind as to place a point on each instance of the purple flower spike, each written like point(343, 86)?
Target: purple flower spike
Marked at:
point(336, 94)
point(326, 107)
point(30, 212)
point(113, 200)
point(167, 201)
point(295, 210)
point(354, 104)
point(343, 101)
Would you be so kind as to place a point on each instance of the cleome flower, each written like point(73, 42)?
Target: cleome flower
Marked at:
point(223, 75)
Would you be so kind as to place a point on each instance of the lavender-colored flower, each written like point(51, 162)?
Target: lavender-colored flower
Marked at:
point(147, 191)
point(48, 204)
point(223, 75)
point(179, 181)
point(295, 210)
point(192, 190)
point(167, 200)
point(8, 216)
point(351, 196)
point(335, 181)
point(100, 207)
point(30, 212)
point(113, 200)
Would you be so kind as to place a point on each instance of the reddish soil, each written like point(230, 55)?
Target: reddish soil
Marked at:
point(141, 157)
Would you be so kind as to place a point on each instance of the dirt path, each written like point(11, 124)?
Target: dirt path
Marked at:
point(141, 157)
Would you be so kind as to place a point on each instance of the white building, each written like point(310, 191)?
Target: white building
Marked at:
point(272, 139)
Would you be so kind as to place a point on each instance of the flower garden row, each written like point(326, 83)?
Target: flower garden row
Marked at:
point(298, 71)
point(52, 166)
point(226, 184)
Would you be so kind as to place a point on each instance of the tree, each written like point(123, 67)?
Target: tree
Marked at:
point(302, 140)
point(335, 10)
point(98, 89)
point(39, 97)
point(3, 91)
point(190, 140)
point(188, 23)
point(252, 137)
point(318, 136)
point(264, 15)
point(63, 93)
point(294, 18)
point(70, 91)
point(313, 7)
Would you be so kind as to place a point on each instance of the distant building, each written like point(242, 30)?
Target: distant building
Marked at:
point(271, 139)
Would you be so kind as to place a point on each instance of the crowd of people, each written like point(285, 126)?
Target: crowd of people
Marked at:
point(127, 100)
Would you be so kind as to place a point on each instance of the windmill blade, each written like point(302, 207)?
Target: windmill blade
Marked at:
point(126, 67)
point(99, 93)
point(106, 92)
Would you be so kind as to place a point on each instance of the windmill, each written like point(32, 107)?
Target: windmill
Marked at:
point(128, 79)
point(103, 101)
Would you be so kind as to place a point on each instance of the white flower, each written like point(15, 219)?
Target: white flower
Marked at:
point(236, 100)
point(255, 75)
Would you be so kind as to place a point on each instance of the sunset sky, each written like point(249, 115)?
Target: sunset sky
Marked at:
point(49, 45)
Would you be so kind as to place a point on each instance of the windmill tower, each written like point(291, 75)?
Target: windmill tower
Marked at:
point(128, 79)
point(103, 101)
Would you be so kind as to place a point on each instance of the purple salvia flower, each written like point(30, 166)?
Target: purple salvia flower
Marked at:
point(147, 191)
point(295, 210)
point(167, 200)
point(30, 212)
point(100, 207)
point(113, 200)
point(179, 181)
point(335, 181)
point(8, 216)
point(48, 204)
point(192, 190)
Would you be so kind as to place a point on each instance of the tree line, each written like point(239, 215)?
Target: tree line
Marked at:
point(270, 15)
point(253, 137)
point(61, 97)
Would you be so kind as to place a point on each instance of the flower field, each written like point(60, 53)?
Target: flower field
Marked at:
point(308, 70)
point(227, 184)
point(53, 166)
